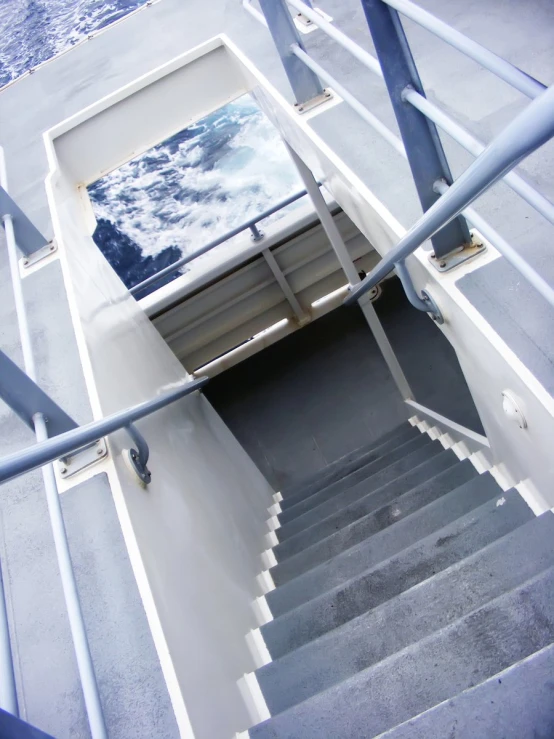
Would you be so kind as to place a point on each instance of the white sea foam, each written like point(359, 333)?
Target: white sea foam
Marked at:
point(232, 166)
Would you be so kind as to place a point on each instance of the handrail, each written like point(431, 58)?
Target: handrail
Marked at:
point(491, 61)
point(518, 184)
point(511, 74)
point(91, 695)
point(431, 111)
point(341, 38)
point(507, 250)
point(348, 98)
point(472, 144)
point(529, 130)
point(216, 242)
point(40, 454)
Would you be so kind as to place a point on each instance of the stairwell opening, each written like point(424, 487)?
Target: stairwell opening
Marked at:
point(326, 390)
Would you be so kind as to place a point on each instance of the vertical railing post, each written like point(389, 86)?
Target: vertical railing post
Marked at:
point(83, 656)
point(421, 140)
point(351, 273)
point(304, 82)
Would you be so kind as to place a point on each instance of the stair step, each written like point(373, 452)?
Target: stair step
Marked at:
point(347, 464)
point(329, 500)
point(389, 542)
point(359, 579)
point(410, 616)
point(471, 650)
point(381, 508)
point(513, 704)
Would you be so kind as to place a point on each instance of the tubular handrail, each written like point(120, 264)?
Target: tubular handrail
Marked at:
point(506, 249)
point(526, 191)
point(251, 222)
point(47, 451)
point(534, 198)
point(354, 103)
point(472, 144)
point(341, 38)
point(433, 113)
point(508, 72)
point(529, 130)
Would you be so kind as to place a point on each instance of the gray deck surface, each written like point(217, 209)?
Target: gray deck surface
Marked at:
point(520, 31)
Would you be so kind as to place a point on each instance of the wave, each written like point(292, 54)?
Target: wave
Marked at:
point(176, 197)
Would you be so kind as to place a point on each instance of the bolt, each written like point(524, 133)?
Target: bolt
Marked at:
point(51, 247)
point(99, 451)
point(90, 36)
point(442, 264)
point(63, 470)
point(25, 262)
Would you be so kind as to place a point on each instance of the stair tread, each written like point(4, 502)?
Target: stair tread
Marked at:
point(376, 462)
point(512, 704)
point(356, 584)
point(346, 465)
point(445, 663)
point(408, 617)
point(331, 499)
point(375, 511)
point(443, 518)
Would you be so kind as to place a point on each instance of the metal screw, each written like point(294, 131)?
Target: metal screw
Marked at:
point(63, 470)
point(25, 262)
point(52, 247)
point(99, 451)
point(442, 264)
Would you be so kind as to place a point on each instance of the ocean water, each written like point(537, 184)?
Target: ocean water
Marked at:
point(191, 189)
point(184, 192)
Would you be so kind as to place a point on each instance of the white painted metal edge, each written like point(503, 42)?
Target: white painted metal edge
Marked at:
point(253, 698)
point(135, 558)
point(265, 581)
point(442, 421)
point(258, 648)
point(262, 611)
point(268, 559)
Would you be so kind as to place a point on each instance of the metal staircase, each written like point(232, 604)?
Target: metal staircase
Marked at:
point(413, 599)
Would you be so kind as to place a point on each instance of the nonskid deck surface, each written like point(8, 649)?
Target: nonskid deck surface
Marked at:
point(414, 598)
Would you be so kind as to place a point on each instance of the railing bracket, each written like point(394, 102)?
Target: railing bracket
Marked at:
point(458, 256)
point(313, 102)
point(433, 308)
point(305, 24)
point(82, 458)
point(31, 259)
point(135, 464)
